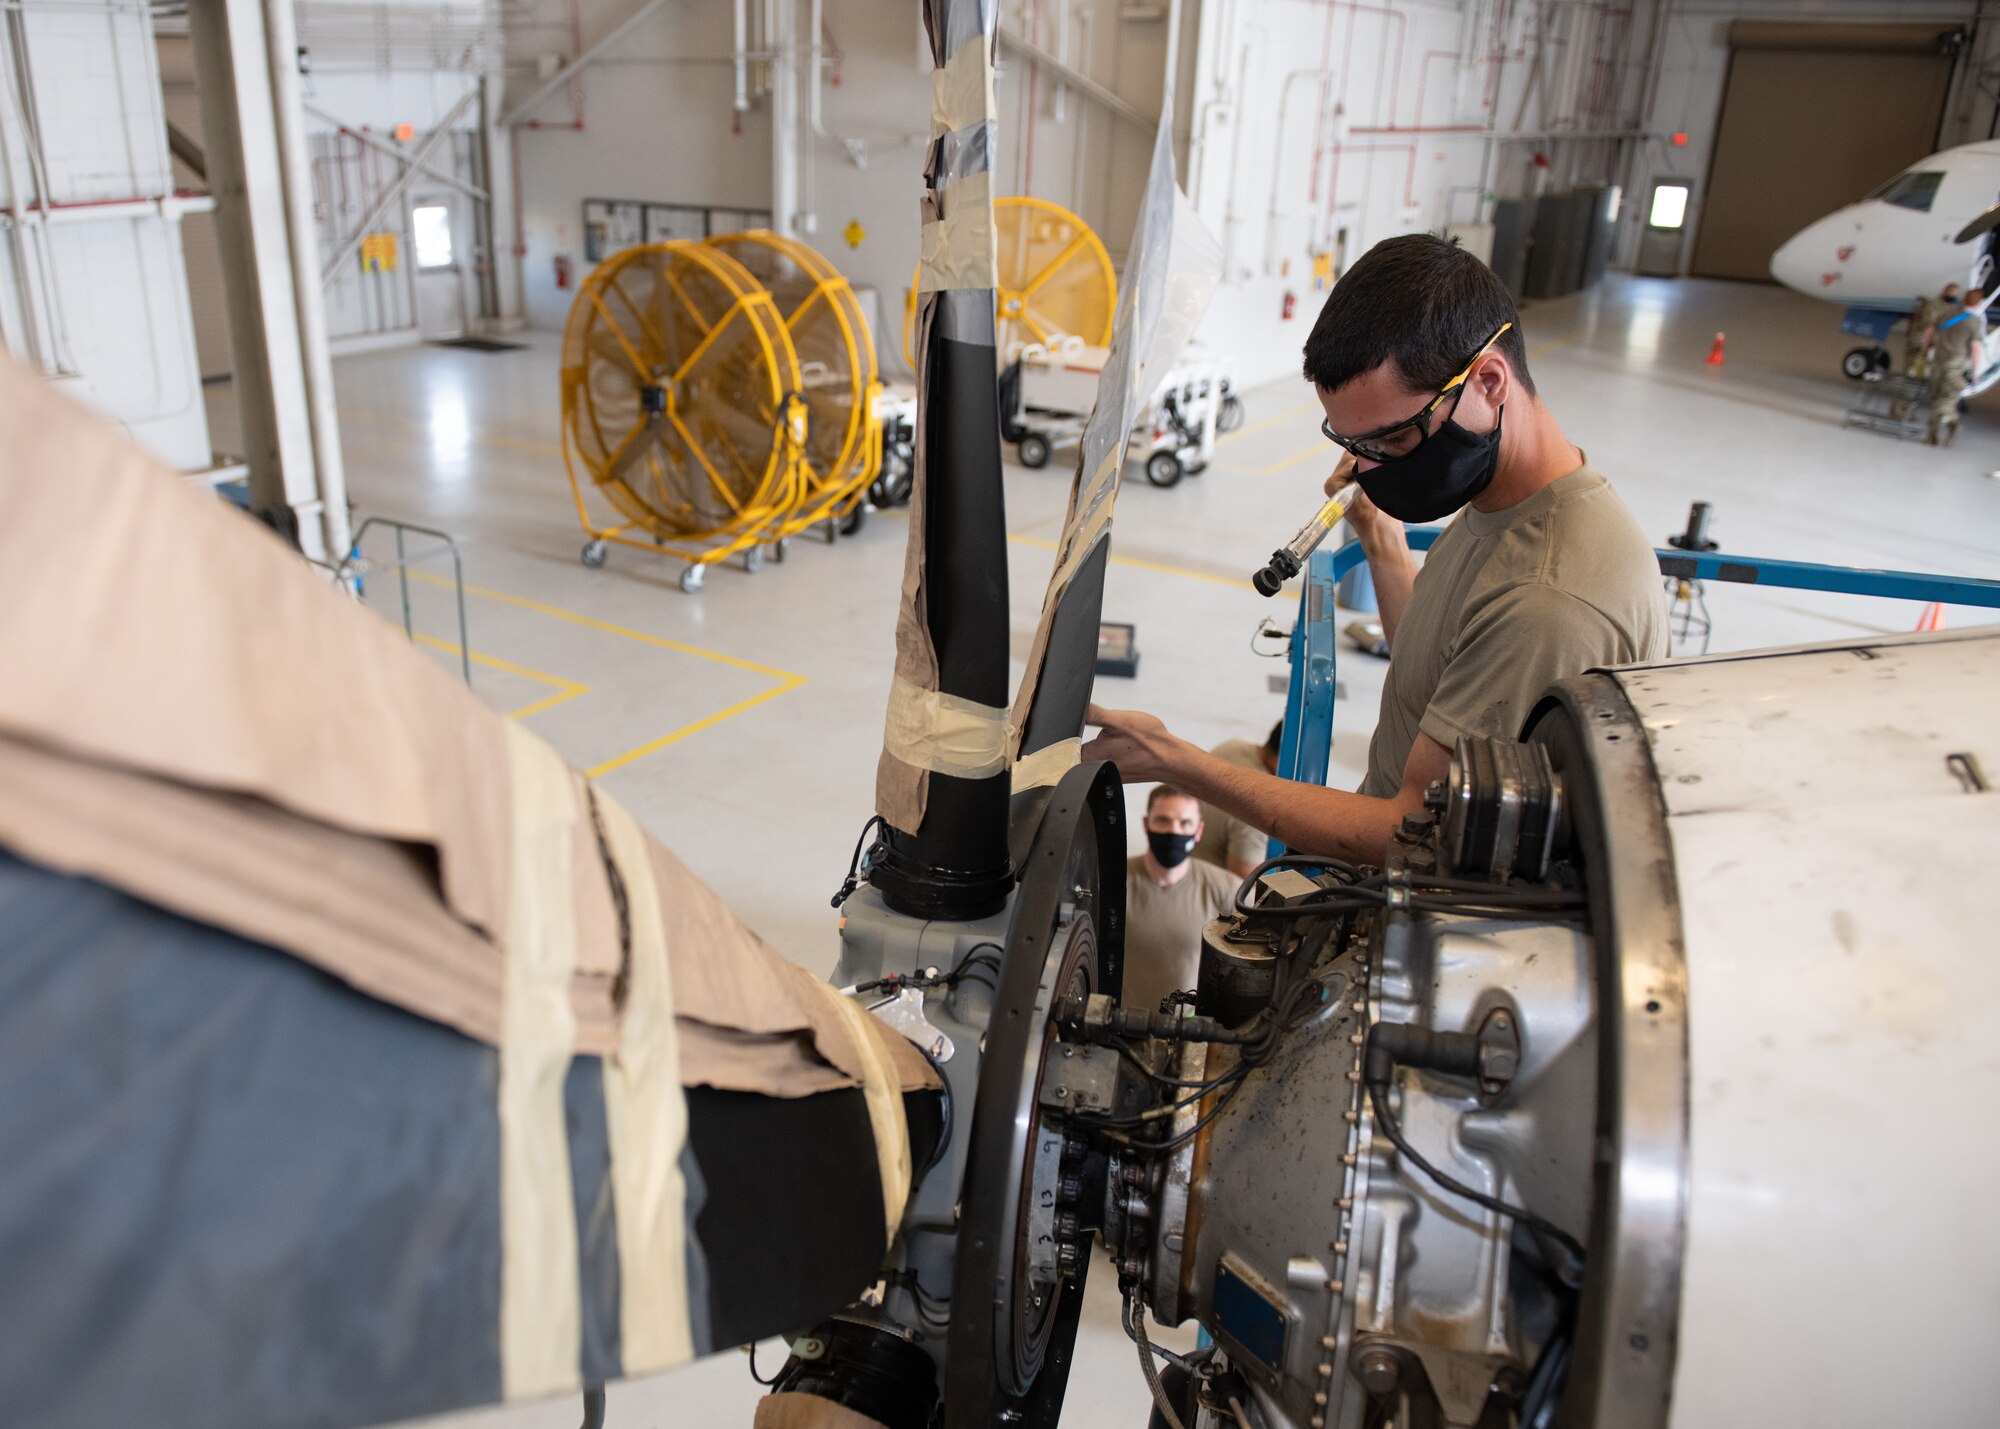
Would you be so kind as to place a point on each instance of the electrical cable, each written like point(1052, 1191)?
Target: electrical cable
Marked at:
point(974, 958)
point(1242, 1077)
point(767, 1383)
point(1135, 1326)
point(1570, 1274)
point(853, 879)
point(1545, 1384)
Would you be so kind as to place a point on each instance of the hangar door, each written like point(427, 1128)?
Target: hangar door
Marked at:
point(1814, 116)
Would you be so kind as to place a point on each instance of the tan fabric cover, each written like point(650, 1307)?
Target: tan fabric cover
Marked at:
point(808, 1411)
point(191, 713)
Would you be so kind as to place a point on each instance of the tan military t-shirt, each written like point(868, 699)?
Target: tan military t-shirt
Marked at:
point(1508, 602)
point(1223, 835)
point(1163, 928)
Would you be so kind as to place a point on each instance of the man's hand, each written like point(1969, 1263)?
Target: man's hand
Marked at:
point(1142, 748)
point(1364, 515)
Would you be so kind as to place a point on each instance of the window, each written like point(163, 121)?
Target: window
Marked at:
point(1914, 190)
point(432, 230)
point(1670, 206)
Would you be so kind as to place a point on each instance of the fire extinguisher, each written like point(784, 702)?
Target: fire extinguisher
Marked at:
point(562, 272)
point(1291, 306)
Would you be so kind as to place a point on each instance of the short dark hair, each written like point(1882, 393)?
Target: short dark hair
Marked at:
point(1418, 299)
point(1166, 791)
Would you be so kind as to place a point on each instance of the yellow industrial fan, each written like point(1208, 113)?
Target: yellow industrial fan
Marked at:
point(1055, 280)
point(842, 450)
point(681, 406)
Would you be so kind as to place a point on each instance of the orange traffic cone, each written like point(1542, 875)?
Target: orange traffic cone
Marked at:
point(1932, 618)
point(1715, 353)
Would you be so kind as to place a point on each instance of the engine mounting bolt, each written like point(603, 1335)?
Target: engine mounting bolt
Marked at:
point(1319, 1421)
point(1378, 1370)
point(1350, 1116)
point(1358, 1038)
point(1340, 1247)
point(1326, 1371)
point(1335, 1286)
point(1326, 1342)
point(1345, 1203)
point(1348, 1159)
point(1354, 1075)
point(1320, 1399)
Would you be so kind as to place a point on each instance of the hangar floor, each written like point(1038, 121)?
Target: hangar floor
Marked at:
point(742, 725)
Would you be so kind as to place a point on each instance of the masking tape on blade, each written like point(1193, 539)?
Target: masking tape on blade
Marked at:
point(541, 1316)
point(960, 246)
point(1047, 765)
point(1077, 548)
point(962, 89)
point(645, 1113)
point(945, 734)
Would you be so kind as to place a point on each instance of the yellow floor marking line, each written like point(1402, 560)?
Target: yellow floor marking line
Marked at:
point(1271, 421)
point(787, 681)
point(1320, 448)
point(1137, 564)
point(565, 689)
point(619, 761)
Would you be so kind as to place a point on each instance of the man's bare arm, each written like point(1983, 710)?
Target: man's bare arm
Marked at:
point(1304, 817)
point(1390, 564)
point(1394, 571)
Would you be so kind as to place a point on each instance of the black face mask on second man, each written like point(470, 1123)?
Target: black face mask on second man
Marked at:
point(1170, 850)
point(1447, 470)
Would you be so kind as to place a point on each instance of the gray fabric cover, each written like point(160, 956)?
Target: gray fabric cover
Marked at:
point(235, 1192)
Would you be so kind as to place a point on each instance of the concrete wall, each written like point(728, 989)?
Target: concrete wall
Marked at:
point(653, 121)
point(1321, 129)
point(91, 281)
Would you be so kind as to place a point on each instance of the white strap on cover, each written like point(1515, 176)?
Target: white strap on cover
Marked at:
point(541, 1317)
point(645, 1113)
point(883, 1089)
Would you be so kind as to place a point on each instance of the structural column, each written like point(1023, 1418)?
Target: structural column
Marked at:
point(283, 380)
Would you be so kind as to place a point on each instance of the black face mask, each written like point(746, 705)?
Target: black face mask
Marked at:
point(1951, 301)
point(1451, 468)
point(1169, 850)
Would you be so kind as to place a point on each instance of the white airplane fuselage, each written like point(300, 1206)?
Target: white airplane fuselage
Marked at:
point(1883, 255)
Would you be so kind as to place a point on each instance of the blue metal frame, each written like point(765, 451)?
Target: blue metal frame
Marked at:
point(1308, 739)
point(1306, 749)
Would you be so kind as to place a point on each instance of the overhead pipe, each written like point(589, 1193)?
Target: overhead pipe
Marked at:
point(1273, 215)
point(40, 335)
point(63, 358)
point(783, 40)
point(582, 62)
point(740, 28)
point(1069, 75)
point(857, 151)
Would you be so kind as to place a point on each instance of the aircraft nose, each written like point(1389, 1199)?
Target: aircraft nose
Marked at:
point(1804, 258)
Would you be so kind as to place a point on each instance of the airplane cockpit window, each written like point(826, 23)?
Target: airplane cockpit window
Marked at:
point(1914, 190)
